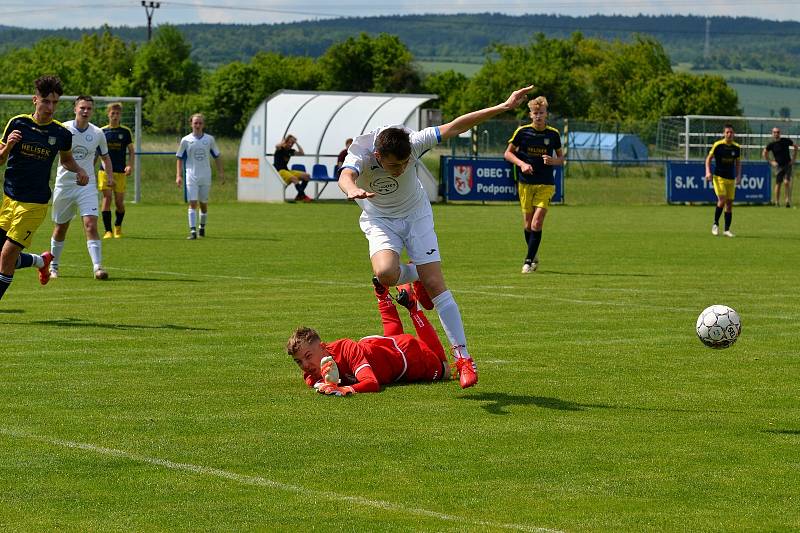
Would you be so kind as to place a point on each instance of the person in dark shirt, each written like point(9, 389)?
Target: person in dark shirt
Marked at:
point(343, 153)
point(533, 150)
point(726, 154)
point(119, 139)
point(29, 145)
point(283, 152)
point(783, 163)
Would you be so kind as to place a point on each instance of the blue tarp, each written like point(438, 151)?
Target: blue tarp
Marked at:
point(606, 146)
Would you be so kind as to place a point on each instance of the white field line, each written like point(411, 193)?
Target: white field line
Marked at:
point(258, 481)
point(494, 294)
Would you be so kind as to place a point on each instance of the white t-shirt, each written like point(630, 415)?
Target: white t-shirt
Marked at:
point(196, 152)
point(394, 197)
point(85, 144)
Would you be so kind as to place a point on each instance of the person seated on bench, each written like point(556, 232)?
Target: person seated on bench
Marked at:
point(283, 152)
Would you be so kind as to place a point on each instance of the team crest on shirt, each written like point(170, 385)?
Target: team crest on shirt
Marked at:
point(547, 142)
point(462, 175)
point(51, 141)
point(120, 136)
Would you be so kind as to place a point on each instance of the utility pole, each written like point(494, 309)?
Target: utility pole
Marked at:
point(706, 47)
point(149, 8)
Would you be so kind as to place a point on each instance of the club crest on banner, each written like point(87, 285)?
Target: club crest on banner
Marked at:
point(463, 178)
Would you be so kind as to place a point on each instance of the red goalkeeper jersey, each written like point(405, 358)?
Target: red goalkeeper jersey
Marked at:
point(380, 360)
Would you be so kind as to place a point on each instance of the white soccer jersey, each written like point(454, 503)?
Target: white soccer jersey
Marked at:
point(85, 144)
point(196, 153)
point(394, 197)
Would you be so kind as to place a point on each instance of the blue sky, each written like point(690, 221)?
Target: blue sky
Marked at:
point(55, 14)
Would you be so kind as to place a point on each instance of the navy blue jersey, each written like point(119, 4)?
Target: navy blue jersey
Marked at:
point(27, 176)
point(531, 145)
point(725, 157)
point(780, 150)
point(118, 140)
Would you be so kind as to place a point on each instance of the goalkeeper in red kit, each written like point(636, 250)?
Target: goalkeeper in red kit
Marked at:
point(346, 366)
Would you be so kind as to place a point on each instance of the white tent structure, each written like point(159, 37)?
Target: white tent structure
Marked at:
point(321, 121)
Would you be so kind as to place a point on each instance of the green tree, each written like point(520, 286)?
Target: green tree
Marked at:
point(682, 94)
point(163, 65)
point(449, 86)
point(364, 64)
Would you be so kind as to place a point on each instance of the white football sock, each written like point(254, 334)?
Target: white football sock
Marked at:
point(203, 218)
point(95, 252)
point(192, 218)
point(408, 273)
point(450, 316)
point(56, 247)
point(38, 262)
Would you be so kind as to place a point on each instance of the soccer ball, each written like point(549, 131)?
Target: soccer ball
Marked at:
point(718, 326)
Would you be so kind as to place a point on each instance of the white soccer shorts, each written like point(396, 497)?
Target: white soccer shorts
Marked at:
point(197, 190)
point(69, 200)
point(414, 232)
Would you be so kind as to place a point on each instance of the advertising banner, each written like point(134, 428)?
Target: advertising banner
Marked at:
point(487, 180)
point(686, 183)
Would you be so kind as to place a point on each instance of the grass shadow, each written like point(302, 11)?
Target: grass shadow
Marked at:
point(12, 311)
point(496, 402)
point(80, 323)
point(782, 431)
point(603, 274)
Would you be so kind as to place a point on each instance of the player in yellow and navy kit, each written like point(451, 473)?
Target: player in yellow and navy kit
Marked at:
point(119, 139)
point(533, 150)
point(727, 175)
point(30, 143)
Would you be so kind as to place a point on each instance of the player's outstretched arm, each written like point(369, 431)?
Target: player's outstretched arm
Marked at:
point(347, 183)
point(465, 122)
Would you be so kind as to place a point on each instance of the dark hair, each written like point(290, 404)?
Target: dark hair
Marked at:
point(84, 97)
point(300, 335)
point(393, 141)
point(48, 84)
point(726, 126)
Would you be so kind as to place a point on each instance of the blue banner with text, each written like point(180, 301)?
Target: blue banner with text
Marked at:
point(686, 183)
point(489, 179)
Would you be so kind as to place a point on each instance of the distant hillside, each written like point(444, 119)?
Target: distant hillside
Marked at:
point(735, 42)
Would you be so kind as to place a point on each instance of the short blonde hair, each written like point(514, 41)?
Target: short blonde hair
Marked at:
point(114, 105)
point(539, 101)
point(300, 336)
point(197, 115)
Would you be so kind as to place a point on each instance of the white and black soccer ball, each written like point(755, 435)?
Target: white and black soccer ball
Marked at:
point(718, 326)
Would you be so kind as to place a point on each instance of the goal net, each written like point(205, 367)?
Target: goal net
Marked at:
point(691, 136)
point(21, 104)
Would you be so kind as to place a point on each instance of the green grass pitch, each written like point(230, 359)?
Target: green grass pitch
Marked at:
point(162, 399)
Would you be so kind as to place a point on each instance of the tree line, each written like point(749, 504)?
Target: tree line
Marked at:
point(582, 77)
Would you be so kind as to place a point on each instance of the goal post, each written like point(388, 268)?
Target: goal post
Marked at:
point(690, 137)
point(21, 104)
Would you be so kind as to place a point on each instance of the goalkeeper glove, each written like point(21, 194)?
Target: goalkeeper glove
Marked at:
point(329, 370)
point(330, 389)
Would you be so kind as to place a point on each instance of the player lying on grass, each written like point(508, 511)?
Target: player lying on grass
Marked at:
point(346, 366)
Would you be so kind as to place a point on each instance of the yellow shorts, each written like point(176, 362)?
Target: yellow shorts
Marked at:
point(287, 175)
point(119, 181)
point(532, 196)
point(724, 188)
point(21, 220)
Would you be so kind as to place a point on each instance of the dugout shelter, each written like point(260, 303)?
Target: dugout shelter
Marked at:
point(321, 121)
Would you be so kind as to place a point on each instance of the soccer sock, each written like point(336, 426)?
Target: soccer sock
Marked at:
point(527, 236)
point(533, 245)
point(301, 187)
point(203, 218)
point(427, 334)
point(118, 218)
point(5, 281)
point(95, 252)
point(717, 213)
point(450, 317)
point(192, 219)
point(56, 247)
point(728, 218)
point(392, 325)
point(24, 260)
point(107, 220)
point(408, 273)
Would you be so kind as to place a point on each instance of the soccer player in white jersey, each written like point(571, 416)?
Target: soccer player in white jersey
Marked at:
point(380, 174)
point(69, 196)
point(194, 154)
